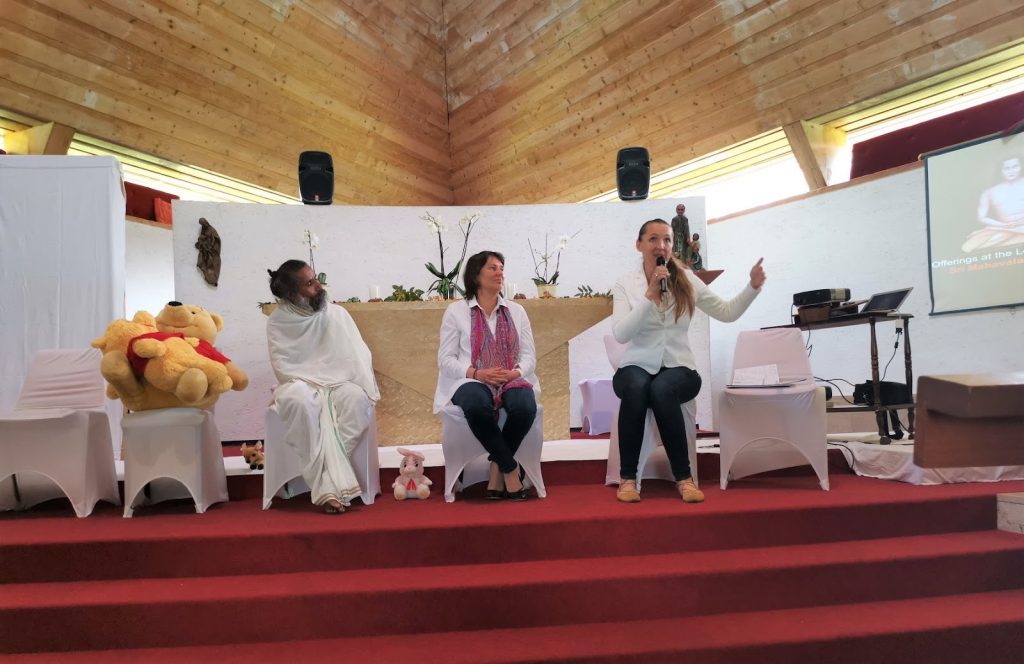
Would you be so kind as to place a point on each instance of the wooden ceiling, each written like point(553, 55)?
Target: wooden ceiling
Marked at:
point(467, 101)
point(240, 87)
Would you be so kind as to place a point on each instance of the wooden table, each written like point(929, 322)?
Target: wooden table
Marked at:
point(880, 410)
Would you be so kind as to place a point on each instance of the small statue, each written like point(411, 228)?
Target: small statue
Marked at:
point(208, 245)
point(694, 260)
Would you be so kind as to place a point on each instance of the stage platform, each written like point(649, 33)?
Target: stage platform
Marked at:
point(889, 462)
point(896, 462)
point(773, 569)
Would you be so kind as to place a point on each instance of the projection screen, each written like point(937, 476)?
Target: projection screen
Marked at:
point(975, 195)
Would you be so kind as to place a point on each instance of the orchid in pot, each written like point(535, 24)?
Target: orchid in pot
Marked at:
point(545, 280)
point(446, 284)
point(312, 241)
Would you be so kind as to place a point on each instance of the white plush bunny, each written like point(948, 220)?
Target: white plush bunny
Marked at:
point(411, 482)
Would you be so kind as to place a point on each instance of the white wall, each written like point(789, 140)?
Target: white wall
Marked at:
point(868, 237)
point(365, 246)
point(149, 268)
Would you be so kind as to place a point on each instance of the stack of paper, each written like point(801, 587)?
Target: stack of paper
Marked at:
point(764, 375)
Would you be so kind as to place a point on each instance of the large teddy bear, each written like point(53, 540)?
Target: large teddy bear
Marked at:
point(168, 361)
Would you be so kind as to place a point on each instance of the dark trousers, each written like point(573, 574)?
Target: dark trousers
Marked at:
point(520, 407)
point(663, 393)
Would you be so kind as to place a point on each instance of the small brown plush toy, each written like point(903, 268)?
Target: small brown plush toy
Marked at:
point(253, 455)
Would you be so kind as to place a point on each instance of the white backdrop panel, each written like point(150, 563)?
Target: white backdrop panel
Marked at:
point(62, 257)
point(362, 247)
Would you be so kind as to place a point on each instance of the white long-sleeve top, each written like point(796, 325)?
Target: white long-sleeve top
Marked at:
point(654, 337)
point(455, 353)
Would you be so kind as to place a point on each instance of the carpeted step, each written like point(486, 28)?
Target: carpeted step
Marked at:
point(238, 538)
point(557, 473)
point(373, 602)
point(977, 627)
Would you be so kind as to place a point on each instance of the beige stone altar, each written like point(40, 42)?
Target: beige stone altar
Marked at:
point(404, 336)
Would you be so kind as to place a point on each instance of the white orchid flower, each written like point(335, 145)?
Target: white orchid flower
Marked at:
point(434, 224)
point(563, 242)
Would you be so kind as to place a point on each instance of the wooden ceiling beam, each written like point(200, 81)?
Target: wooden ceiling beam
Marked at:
point(49, 138)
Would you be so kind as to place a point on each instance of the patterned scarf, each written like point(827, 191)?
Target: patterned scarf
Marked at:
point(499, 350)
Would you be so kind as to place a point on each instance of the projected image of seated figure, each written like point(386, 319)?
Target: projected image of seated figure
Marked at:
point(1000, 211)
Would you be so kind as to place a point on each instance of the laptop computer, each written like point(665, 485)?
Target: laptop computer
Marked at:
point(879, 303)
point(883, 303)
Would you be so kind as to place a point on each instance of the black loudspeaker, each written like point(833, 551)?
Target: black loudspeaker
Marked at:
point(316, 178)
point(633, 173)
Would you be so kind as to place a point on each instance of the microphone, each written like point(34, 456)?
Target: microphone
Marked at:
point(664, 282)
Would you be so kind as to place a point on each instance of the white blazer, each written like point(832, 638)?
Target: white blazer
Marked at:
point(455, 353)
point(655, 338)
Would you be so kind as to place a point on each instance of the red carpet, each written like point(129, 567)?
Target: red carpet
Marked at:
point(771, 570)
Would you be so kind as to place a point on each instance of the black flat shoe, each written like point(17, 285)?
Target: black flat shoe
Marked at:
point(518, 496)
point(495, 494)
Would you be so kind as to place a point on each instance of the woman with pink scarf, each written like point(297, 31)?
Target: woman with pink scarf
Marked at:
point(487, 362)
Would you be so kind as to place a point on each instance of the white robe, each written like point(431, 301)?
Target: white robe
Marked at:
point(326, 387)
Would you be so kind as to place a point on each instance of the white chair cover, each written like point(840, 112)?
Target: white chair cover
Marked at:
point(599, 404)
point(282, 469)
point(771, 428)
point(464, 454)
point(180, 444)
point(59, 430)
point(653, 459)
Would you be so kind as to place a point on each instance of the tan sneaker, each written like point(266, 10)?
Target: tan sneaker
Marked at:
point(627, 492)
point(689, 491)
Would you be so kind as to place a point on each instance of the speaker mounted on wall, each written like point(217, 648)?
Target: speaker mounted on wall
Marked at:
point(633, 173)
point(316, 178)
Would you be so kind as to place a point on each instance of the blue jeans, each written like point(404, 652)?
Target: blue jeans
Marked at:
point(663, 393)
point(520, 407)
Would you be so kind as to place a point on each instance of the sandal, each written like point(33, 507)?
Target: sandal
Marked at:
point(332, 506)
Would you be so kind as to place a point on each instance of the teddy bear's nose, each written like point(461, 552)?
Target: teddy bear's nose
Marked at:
point(174, 303)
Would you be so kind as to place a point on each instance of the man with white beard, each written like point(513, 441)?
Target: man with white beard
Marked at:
point(325, 382)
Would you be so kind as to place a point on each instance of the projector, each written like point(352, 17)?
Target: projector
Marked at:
point(821, 296)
